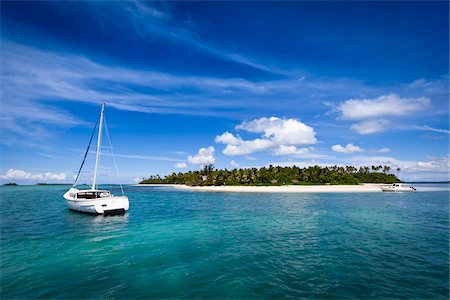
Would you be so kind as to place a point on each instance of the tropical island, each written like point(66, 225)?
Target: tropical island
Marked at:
point(278, 176)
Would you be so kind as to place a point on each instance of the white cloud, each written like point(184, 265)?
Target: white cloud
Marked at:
point(437, 164)
point(350, 148)
point(371, 126)
point(432, 164)
point(178, 152)
point(181, 165)
point(148, 21)
point(31, 75)
point(13, 174)
point(204, 156)
point(374, 113)
point(387, 105)
point(228, 139)
point(248, 147)
point(281, 134)
point(281, 131)
point(382, 150)
point(428, 128)
point(290, 150)
point(234, 164)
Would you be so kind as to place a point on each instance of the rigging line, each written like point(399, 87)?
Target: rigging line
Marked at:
point(112, 154)
point(87, 150)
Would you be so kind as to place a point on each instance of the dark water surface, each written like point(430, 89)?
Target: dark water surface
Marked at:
point(226, 245)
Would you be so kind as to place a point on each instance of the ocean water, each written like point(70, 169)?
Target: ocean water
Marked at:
point(176, 244)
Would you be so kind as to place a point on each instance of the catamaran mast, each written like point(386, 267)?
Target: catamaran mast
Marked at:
point(99, 141)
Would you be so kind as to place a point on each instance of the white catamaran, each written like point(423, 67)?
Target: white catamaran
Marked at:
point(93, 200)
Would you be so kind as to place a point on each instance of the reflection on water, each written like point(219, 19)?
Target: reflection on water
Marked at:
point(99, 223)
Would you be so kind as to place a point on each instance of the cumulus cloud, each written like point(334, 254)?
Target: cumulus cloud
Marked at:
point(281, 131)
point(181, 165)
point(371, 126)
point(13, 174)
point(204, 156)
point(228, 139)
point(290, 150)
point(350, 148)
point(248, 147)
point(276, 133)
point(387, 105)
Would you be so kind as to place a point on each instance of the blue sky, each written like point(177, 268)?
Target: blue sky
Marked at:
point(235, 84)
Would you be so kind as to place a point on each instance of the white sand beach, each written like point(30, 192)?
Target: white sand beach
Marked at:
point(362, 188)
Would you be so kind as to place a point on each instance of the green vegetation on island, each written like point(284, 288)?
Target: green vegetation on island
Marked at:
point(10, 184)
point(278, 176)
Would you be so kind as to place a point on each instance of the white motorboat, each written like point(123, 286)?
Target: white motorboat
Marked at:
point(94, 200)
point(398, 187)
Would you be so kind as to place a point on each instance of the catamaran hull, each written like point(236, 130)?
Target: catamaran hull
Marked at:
point(110, 205)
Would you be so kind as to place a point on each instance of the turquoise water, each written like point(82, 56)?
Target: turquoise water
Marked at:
point(226, 245)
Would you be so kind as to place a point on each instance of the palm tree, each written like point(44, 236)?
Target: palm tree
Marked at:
point(398, 171)
point(207, 169)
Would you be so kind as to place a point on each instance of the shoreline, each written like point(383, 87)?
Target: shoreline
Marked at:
point(362, 188)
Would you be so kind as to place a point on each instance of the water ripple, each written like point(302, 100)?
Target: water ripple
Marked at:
point(175, 244)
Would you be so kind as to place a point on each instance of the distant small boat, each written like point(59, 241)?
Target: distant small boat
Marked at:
point(93, 200)
point(398, 187)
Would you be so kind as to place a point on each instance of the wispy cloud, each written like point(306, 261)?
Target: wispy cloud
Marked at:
point(383, 106)
point(147, 21)
point(179, 152)
point(141, 157)
point(429, 128)
point(373, 113)
point(36, 80)
point(381, 150)
point(370, 126)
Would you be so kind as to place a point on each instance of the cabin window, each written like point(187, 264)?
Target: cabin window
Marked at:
point(93, 195)
point(89, 195)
